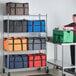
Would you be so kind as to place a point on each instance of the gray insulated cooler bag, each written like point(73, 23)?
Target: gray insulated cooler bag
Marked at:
point(36, 43)
point(15, 26)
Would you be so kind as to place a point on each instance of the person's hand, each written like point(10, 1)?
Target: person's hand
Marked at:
point(61, 27)
point(68, 28)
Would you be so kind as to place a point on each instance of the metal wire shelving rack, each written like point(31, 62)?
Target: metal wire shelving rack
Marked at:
point(24, 34)
point(61, 64)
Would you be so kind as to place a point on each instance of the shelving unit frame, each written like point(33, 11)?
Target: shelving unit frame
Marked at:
point(24, 34)
point(61, 63)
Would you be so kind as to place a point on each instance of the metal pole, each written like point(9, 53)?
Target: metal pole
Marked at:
point(55, 52)
point(75, 60)
point(40, 26)
point(2, 50)
point(8, 45)
point(62, 60)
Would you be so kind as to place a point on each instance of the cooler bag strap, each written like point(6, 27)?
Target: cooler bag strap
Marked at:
point(34, 58)
point(27, 42)
point(40, 39)
point(13, 24)
point(32, 26)
point(33, 43)
point(22, 21)
point(40, 43)
point(41, 59)
point(8, 62)
point(21, 43)
point(13, 43)
point(22, 60)
point(15, 8)
point(14, 59)
point(61, 38)
point(54, 37)
point(23, 9)
point(58, 38)
point(40, 26)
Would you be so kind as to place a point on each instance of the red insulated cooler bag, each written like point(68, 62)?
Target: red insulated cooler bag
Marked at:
point(37, 60)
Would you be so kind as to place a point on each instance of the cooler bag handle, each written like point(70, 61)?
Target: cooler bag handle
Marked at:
point(15, 8)
point(41, 43)
point(22, 60)
point(14, 60)
point(34, 58)
point(23, 9)
point(13, 25)
point(38, 43)
point(13, 43)
point(33, 43)
point(22, 25)
point(40, 26)
point(21, 43)
point(58, 38)
point(54, 37)
point(32, 26)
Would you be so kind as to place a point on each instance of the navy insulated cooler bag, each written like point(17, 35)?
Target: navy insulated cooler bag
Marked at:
point(36, 25)
point(36, 43)
point(16, 61)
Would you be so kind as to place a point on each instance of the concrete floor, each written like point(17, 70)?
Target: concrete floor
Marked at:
point(35, 72)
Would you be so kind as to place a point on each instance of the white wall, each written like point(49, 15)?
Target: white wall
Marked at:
point(59, 13)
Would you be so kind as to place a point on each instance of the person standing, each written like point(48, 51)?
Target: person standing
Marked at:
point(72, 47)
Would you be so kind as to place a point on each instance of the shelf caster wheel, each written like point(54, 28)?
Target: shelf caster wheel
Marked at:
point(8, 73)
point(39, 69)
point(57, 67)
point(3, 70)
point(64, 74)
point(47, 70)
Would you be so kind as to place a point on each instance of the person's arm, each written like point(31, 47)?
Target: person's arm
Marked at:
point(68, 27)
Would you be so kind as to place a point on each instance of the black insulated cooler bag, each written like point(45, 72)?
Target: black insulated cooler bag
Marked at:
point(15, 26)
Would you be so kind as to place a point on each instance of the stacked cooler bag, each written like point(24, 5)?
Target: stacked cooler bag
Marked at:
point(60, 36)
point(16, 61)
point(36, 43)
point(36, 26)
point(37, 60)
point(17, 8)
point(25, 61)
point(15, 44)
point(15, 26)
point(23, 43)
point(64, 36)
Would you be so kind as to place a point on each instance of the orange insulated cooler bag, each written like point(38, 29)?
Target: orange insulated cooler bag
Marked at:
point(15, 44)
